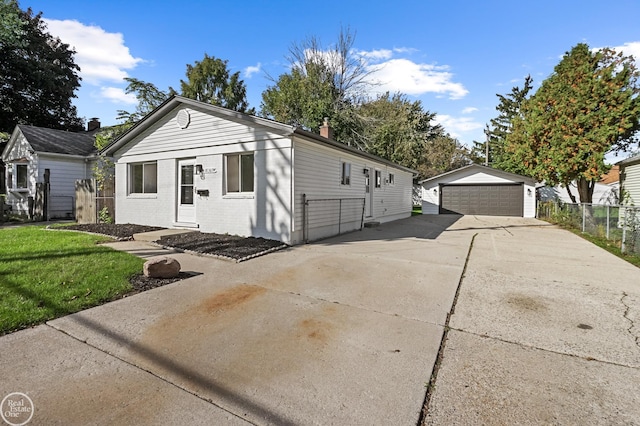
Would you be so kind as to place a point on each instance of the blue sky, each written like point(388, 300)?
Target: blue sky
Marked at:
point(454, 56)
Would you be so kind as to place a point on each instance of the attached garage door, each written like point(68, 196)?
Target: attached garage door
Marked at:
point(482, 199)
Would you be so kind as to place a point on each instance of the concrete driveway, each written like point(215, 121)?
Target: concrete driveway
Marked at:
point(546, 330)
point(347, 331)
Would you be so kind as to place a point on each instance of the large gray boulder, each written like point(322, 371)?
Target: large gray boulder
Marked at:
point(161, 267)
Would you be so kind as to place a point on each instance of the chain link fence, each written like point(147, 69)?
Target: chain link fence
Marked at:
point(618, 224)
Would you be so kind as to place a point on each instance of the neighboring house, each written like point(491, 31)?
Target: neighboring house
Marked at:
point(479, 190)
point(604, 192)
point(194, 165)
point(630, 180)
point(34, 151)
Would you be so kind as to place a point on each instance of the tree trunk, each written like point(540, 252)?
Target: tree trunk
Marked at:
point(585, 190)
point(573, 197)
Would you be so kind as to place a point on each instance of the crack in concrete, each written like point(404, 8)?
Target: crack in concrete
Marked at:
point(631, 322)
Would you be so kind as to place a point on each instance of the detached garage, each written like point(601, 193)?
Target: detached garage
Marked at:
point(479, 190)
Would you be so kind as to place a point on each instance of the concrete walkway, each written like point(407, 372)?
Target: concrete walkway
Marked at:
point(347, 331)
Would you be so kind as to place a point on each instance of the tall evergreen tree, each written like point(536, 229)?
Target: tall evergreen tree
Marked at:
point(509, 107)
point(589, 106)
point(38, 75)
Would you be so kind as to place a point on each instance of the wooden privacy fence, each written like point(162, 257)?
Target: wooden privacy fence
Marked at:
point(93, 203)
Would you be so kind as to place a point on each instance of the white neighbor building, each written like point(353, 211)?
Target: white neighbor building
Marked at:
point(479, 190)
point(33, 151)
point(194, 165)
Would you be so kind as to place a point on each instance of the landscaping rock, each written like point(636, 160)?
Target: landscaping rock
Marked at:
point(161, 267)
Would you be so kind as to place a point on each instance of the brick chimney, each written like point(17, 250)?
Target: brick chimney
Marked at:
point(94, 124)
point(325, 130)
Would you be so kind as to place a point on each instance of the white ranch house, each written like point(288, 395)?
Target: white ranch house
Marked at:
point(194, 165)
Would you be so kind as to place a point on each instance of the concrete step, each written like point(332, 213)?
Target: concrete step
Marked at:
point(371, 224)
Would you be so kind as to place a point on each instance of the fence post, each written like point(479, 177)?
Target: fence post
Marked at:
point(584, 218)
point(608, 207)
point(624, 231)
point(339, 214)
point(304, 218)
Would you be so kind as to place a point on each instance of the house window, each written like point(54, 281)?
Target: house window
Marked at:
point(17, 177)
point(22, 179)
point(392, 179)
point(345, 175)
point(378, 178)
point(240, 172)
point(143, 178)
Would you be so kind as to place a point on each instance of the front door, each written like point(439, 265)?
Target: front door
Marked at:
point(368, 194)
point(186, 188)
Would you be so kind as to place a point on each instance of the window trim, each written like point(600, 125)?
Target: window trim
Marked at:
point(345, 173)
point(392, 179)
point(377, 181)
point(11, 177)
point(240, 177)
point(131, 176)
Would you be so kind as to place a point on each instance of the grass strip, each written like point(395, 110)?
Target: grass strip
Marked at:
point(45, 275)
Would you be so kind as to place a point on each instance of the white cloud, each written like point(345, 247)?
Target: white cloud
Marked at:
point(456, 126)
point(117, 95)
point(404, 50)
point(631, 48)
point(101, 56)
point(251, 70)
point(376, 55)
point(403, 75)
point(469, 110)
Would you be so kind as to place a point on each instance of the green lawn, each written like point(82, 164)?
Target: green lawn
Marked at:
point(48, 274)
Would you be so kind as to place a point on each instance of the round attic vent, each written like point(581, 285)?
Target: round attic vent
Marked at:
point(183, 119)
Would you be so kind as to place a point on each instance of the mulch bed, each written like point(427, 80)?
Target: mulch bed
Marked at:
point(227, 246)
point(230, 246)
point(119, 231)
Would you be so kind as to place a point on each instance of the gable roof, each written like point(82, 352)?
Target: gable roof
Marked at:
point(485, 169)
point(59, 141)
point(280, 128)
point(629, 161)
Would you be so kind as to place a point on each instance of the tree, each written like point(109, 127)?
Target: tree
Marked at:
point(10, 23)
point(209, 81)
point(589, 106)
point(403, 132)
point(38, 76)
point(149, 98)
point(509, 107)
point(323, 82)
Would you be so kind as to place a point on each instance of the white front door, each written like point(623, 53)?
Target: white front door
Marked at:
point(368, 194)
point(186, 192)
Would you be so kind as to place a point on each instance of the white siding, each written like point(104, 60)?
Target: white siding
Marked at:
point(317, 173)
point(263, 213)
point(631, 184)
point(431, 188)
point(63, 174)
point(602, 193)
point(21, 149)
point(204, 130)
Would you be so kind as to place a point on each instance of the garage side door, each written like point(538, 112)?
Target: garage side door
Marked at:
point(481, 199)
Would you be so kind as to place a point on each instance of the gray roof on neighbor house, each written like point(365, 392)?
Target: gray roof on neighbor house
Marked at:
point(282, 128)
point(59, 141)
point(630, 160)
